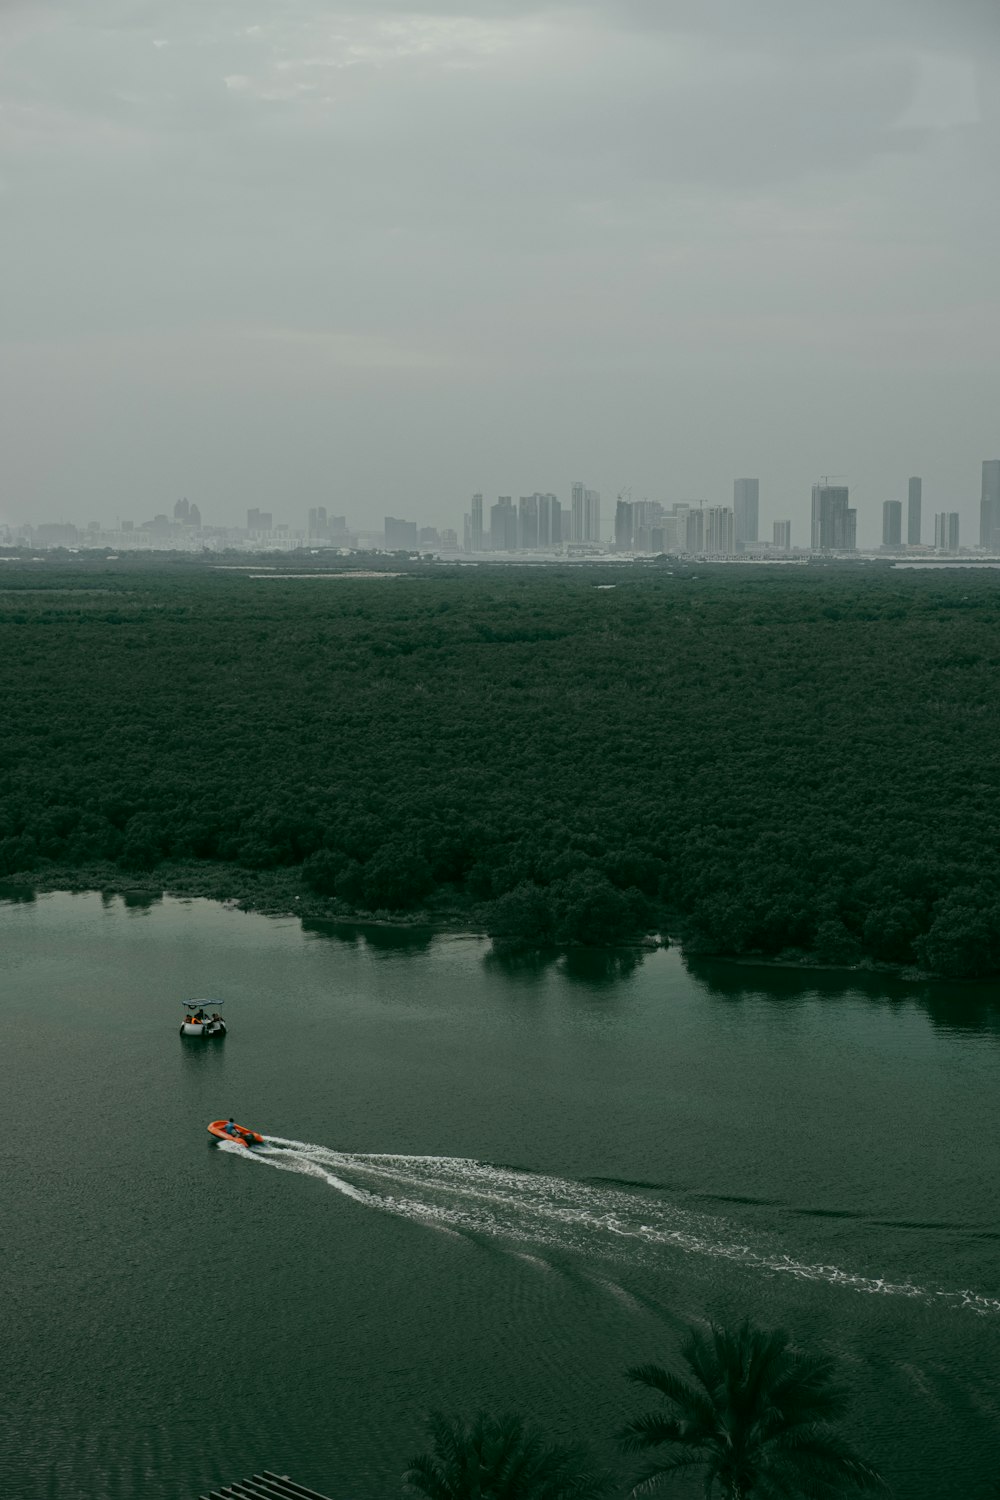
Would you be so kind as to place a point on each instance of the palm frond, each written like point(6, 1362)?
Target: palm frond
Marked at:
point(652, 1475)
point(653, 1428)
point(756, 1413)
point(501, 1457)
point(688, 1402)
point(827, 1457)
point(423, 1476)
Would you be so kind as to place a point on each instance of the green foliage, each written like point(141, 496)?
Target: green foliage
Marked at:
point(964, 935)
point(756, 1418)
point(522, 919)
point(501, 1457)
point(796, 759)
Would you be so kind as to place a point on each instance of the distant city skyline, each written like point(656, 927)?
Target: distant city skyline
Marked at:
point(272, 261)
point(577, 516)
point(540, 523)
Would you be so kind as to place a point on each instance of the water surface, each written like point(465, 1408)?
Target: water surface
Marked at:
point(483, 1184)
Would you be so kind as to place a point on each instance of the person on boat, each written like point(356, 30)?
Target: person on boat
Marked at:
point(232, 1128)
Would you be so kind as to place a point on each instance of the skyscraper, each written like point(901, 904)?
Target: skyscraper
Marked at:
point(946, 531)
point(719, 530)
point(585, 514)
point(549, 521)
point(746, 494)
point(592, 516)
point(834, 526)
point(624, 526)
point(527, 521)
point(782, 534)
point(476, 524)
point(694, 538)
point(577, 492)
point(989, 508)
point(892, 523)
point(647, 517)
point(503, 525)
point(913, 499)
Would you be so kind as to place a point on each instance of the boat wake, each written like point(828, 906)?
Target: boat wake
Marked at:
point(474, 1198)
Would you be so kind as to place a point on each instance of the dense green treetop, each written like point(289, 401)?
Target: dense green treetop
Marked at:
point(787, 759)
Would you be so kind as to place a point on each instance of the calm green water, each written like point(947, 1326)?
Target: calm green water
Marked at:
point(487, 1187)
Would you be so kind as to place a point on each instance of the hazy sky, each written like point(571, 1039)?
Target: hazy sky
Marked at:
point(283, 253)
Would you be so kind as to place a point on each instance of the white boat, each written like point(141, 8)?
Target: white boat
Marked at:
point(201, 1018)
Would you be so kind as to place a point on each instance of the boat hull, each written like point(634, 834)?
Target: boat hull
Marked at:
point(203, 1028)
point(245, 1137)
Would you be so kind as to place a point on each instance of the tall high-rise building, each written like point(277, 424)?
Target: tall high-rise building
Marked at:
point(592, 516)
point(527, 522)
point(476, 524)
point(318, 525)
point(946, 531)
point(989, 508)
point(503, 525)
point(953, 531)
point(694, 529)
point(914, 495)
point(746, 494)
point(892, 523)
point(585, 514)
point(549, 521)
point(577, 492)
point(260, 520)
point(834, 525)
point(782, 534)
point(719, 531)
point(674, 533)
point(624, 526)
point(647, 519)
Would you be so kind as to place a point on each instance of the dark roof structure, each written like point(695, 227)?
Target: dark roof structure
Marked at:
point(266, 1486)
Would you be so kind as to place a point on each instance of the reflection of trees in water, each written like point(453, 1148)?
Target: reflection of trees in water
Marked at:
point(381, 938)
point(593, 967)
point(17, 894)
point(515, 964)
point(949, 1006)
point(141, 901)
point(600, 966)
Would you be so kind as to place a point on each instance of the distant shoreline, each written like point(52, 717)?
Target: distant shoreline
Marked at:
point(279, 893)
point(267, 893)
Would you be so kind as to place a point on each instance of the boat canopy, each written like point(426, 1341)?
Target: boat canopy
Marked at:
point(201, 1004)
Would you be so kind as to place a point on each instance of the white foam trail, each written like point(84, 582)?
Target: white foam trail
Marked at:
point(461, 1195)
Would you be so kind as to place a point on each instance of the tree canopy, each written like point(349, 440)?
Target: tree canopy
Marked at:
point(791, 762)
point(756, 1418)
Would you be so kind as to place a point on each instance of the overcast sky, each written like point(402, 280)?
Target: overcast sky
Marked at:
point(282, 253)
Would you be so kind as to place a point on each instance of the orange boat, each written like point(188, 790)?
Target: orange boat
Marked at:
point(228, 1130)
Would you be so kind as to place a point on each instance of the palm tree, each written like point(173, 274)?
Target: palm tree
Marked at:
point(756, 1418)
point(500, 1458)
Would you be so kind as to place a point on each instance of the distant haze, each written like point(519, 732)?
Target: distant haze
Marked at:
point(379, 257)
